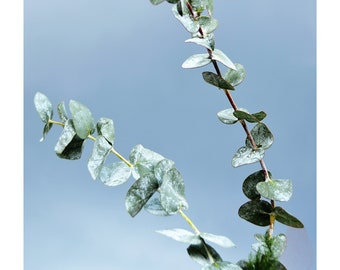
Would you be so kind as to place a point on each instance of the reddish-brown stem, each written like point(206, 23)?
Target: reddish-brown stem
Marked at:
point(243, 123)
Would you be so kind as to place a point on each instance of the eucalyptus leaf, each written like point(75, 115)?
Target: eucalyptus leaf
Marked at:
point(62, 112)
point(156, 2)
point(235, 76)
point(82, 119)
point(139, 193)
point(182, 235)
point(284, 217)
point(219, 56)
point(105, 128)
point(256, 212)
point(218, 239)
point(222, 266)
point(208, 24)
point(190, 25)
point(196, 61)
point(227, 116)
point(144, 160)
point(46, 129)
point(251, 118)
point(249, 184)
point(277, 190)
point(205, 42)
point(115, 174)
point(246, 155)
point(43, 106)
point(261, 135)
point(69, 145)
point(199, 253)
point(216, 80)
point(278, 245)
point(100, 151)
point(172, 192)
point(154, 206)
point(163, 167)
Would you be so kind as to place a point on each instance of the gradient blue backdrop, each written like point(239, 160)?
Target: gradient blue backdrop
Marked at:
point(123, 61)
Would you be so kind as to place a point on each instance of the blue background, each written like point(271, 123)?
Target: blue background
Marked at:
point(123, 61)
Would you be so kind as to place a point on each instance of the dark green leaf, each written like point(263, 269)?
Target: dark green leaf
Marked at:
point(251, 118)
point(69, 145)
point(139, 193)
point(172, 192)
point(182, 235)
point(82, 119)
point(249, 184)
point(43, 106)
point(261, 135)
point(105, 128)
point(256, 212)
point(277, 190)
point(222, 58)
point(196, 60)
point(101, 150)
point(235, 76)
point(199, 253)
point(216, 80)
point(115, 174)
point(246, 155)
point(285, 218)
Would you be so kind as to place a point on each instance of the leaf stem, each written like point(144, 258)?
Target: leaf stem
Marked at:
point(187, 219)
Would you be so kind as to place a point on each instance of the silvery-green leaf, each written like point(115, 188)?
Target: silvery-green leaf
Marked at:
point(82, 119)
point(181, 235)
point(219, 56)
point(196, 60)
point(115, 174)
point(277, 190)
point(246, 155)
point(218, 239)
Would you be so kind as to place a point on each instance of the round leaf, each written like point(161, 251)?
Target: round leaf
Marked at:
point(249, 184)
point(261, 135)
point(82, 119)
point(246, 155)
point(43, 106)
point(277, 190)
point(115, 174)
point(256, 212)
point(235, 76)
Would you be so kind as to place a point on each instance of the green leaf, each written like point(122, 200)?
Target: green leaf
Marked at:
point(144, 160)
point(227, 116)
point(69, 145)
point(261, 135)
point(256, 212)
point(43, 106)
point(182, 235)
point(82, 119)
point(216, 80)
point(235, 76)
point(172, 1)
point(285, 218)
point(154, 206)
point(105, 128)
point(249, 184)
point(218, 239)
point(251, 118)
point(172, 193)
point(46, 129)
point(199, 253)
point(196, 60)
point(222, 58)
point(115, 174)
point(101, 150)
point(246, 155)
point(277, 190)
point(62, 112)
point(139, 193)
